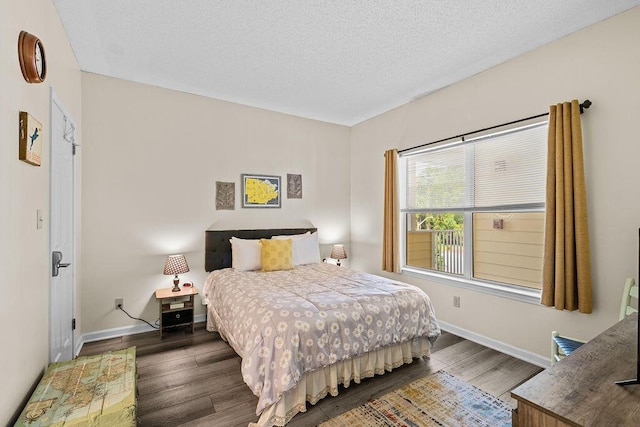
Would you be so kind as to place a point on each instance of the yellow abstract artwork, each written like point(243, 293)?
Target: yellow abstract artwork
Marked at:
point(260, 191)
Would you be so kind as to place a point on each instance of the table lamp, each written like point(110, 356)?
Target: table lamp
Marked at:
point(338, 252)
point(175, 264)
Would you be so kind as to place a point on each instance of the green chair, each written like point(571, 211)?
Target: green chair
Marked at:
point(630, 293)
point(562, 346)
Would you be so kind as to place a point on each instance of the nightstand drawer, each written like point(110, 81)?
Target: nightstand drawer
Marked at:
point(178, 317)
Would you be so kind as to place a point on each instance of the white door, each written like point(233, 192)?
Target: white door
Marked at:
point(62, 257)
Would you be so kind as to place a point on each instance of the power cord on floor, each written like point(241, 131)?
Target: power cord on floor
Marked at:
point(156, 326)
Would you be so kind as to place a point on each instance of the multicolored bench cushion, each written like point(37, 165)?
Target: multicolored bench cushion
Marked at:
point(89, 390)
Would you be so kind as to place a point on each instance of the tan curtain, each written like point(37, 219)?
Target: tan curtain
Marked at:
point(390, 245)
point(567, 261)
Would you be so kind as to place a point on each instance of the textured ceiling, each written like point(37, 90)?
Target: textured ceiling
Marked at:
point(334, 60)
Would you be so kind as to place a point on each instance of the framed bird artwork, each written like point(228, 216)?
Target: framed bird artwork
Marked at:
point(30, 149)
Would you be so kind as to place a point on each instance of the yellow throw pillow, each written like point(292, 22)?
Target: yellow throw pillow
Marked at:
point(276, 254)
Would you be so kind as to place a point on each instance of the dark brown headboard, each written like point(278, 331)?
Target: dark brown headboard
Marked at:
point(217, 248)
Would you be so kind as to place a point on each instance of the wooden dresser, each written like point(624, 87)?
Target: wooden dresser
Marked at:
point(580, 390)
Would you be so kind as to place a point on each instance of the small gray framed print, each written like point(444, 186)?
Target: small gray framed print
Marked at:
point(225, 195)
point(294, 186)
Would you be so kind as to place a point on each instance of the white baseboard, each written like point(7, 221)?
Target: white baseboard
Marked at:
point(126, 330)
point(79, 345)
point(527, 356)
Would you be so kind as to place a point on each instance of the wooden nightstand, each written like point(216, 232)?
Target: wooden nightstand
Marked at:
point(178, 315)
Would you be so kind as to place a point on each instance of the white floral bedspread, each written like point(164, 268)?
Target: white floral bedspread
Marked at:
point(285, 323)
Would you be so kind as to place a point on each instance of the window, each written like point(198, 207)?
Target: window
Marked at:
point(474, 210)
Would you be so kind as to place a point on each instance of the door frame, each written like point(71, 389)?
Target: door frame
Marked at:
point(54, 99)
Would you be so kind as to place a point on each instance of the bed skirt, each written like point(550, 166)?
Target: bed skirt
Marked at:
point(315, 385)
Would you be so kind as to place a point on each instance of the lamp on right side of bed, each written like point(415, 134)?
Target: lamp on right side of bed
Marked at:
point(338, 252)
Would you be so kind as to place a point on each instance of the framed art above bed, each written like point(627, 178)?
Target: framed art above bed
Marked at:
point(261, 191)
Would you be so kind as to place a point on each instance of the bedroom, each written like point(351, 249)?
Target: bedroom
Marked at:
point(171, 182)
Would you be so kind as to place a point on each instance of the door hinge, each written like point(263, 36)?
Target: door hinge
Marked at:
point(73, 324)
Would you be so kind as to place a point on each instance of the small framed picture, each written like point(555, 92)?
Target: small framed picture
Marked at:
point(260, 191)
point(30, 139)
point(294, 186)
point(225, 195)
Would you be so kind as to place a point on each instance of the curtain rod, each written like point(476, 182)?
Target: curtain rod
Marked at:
point(586, 104)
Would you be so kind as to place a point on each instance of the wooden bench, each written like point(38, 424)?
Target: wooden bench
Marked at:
point(89, 390)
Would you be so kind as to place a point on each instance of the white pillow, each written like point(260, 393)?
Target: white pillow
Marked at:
point(292, 236)
point(305, 248)
point(246, 254)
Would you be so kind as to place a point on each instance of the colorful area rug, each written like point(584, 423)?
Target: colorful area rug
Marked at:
point(437, 400)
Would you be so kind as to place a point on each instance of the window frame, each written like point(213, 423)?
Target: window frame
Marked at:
point(466, 281)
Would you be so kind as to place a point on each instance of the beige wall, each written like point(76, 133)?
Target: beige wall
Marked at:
point(600, 63)
point(151, 160)
point(24, 250)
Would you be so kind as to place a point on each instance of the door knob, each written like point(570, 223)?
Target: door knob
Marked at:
point(56, 257)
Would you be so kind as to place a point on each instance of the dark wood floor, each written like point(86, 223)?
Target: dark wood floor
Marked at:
point(194, 379)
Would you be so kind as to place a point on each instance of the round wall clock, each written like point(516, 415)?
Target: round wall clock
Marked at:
point(33, 63)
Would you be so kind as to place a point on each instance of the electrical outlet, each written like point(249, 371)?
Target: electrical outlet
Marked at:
point(456, 302)
point(119, 303)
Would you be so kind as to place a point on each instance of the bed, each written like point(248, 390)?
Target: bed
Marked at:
point(304, 327)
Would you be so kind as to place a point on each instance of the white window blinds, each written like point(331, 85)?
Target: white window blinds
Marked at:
point(436, 179)
point(501, 170)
